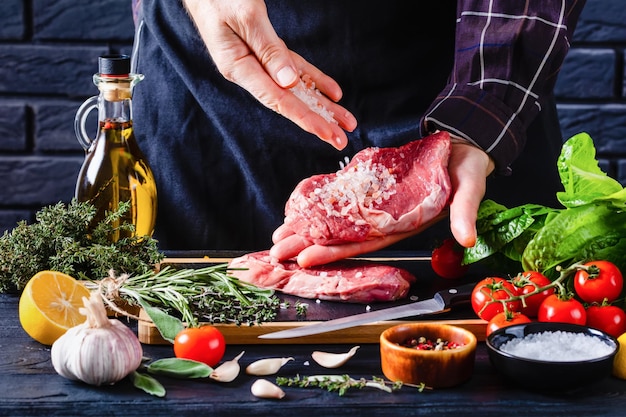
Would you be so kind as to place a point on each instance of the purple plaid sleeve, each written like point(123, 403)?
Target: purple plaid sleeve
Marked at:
point(507, 56)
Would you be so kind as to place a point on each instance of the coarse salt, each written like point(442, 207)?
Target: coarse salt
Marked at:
point(557, 346)
point(365, 184)
point(305, 90)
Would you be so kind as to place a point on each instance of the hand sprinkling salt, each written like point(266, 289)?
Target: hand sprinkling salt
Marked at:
point(307, 93)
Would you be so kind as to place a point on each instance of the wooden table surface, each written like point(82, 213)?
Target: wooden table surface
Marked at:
point(29, 386)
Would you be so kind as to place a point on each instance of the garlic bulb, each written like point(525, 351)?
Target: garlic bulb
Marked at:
point(100, 351)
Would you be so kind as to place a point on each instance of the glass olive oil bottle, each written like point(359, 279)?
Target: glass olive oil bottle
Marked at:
point(115, 170)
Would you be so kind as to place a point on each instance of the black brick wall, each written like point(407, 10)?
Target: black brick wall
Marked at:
point(49, 51)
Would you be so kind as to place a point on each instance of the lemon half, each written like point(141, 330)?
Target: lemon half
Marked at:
point(49, 305)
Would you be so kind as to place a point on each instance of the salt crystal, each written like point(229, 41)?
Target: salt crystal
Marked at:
point(305, 90)
point(558, 346)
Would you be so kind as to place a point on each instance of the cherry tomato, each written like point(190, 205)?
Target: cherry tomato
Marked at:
point(504, 319)
point(599, 280)
point(608, 318)
point(488, 297)
point(527, 283)
point(203, 344)
point(447, 260)
point(566, 310)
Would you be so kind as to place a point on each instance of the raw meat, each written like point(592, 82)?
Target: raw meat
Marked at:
point(352, 281)
point(382, 191)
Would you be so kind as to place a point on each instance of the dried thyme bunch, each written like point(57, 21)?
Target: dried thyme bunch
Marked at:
point(62, 239)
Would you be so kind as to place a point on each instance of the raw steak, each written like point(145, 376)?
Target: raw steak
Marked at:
point(382, 191)
point(349, 281)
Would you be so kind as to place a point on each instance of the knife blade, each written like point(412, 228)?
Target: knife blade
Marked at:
point(441, 302)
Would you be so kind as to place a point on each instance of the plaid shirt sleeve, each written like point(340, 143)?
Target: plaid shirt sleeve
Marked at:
point(507, 56)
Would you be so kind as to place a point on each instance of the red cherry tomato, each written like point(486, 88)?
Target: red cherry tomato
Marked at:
point(529, 282)
point(203, 344)
point(599, 280)
point(608, 318)
point(555, 309)
point(447, 260)
point(504, 319)
point(489, 295)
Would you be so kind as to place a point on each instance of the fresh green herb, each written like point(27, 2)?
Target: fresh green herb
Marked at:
point(147, 384)
point(301, 308)
point(63, 239)
point(341, 383)
point(172, 367)
point(591, 224)
point(206, 294)
point(179, 368)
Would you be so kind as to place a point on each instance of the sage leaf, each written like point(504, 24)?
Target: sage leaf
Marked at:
point(147, 384)
point(168, 326)
point(179, 368)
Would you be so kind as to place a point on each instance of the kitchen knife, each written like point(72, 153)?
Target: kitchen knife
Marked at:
point(441, 302)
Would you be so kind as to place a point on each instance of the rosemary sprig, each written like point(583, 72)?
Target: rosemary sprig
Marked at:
point(341, 383)
point(204, 294)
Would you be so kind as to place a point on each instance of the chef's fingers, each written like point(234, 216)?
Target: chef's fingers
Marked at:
point(247, 51)
point(469, 167)
point(319, 255)
point(289, 247)
point(281, 233)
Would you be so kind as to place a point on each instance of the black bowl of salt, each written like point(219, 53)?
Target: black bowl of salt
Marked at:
point(552, 356)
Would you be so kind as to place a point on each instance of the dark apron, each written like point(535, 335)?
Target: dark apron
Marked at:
point(225, 165)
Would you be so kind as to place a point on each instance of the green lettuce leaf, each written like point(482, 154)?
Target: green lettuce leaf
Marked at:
point(590, 225)
point(583, 180)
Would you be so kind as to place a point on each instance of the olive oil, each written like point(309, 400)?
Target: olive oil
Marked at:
point(115, 170)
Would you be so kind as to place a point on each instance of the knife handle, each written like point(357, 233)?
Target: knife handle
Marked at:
point(456, 295)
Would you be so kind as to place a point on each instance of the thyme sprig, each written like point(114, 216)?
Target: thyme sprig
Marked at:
point(63, 238)
point(342, 383)
point(204, 294)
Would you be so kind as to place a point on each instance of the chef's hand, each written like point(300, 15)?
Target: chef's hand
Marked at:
point(247, 51)
point(468, 169)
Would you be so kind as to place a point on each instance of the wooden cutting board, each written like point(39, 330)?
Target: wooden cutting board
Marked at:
point(427, 284)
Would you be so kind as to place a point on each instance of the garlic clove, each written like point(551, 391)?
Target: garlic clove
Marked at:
point(333, 360)
point(263, 388)
point(228, 370)
point(267, 366)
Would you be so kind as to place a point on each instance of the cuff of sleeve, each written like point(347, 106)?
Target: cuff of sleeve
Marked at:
point(474, 115)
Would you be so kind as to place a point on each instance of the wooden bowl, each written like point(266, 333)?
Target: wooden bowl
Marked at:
point(434, 368)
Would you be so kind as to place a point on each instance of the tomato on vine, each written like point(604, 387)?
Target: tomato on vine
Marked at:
point(203, 344)
point(597, 281)
point(504, 319)
point(447, 260)
point(608, 318)
point(527, 283)
point(491, 294)
point(562, 309)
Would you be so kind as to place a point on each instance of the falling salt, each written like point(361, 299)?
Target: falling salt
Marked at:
point(558, 346)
